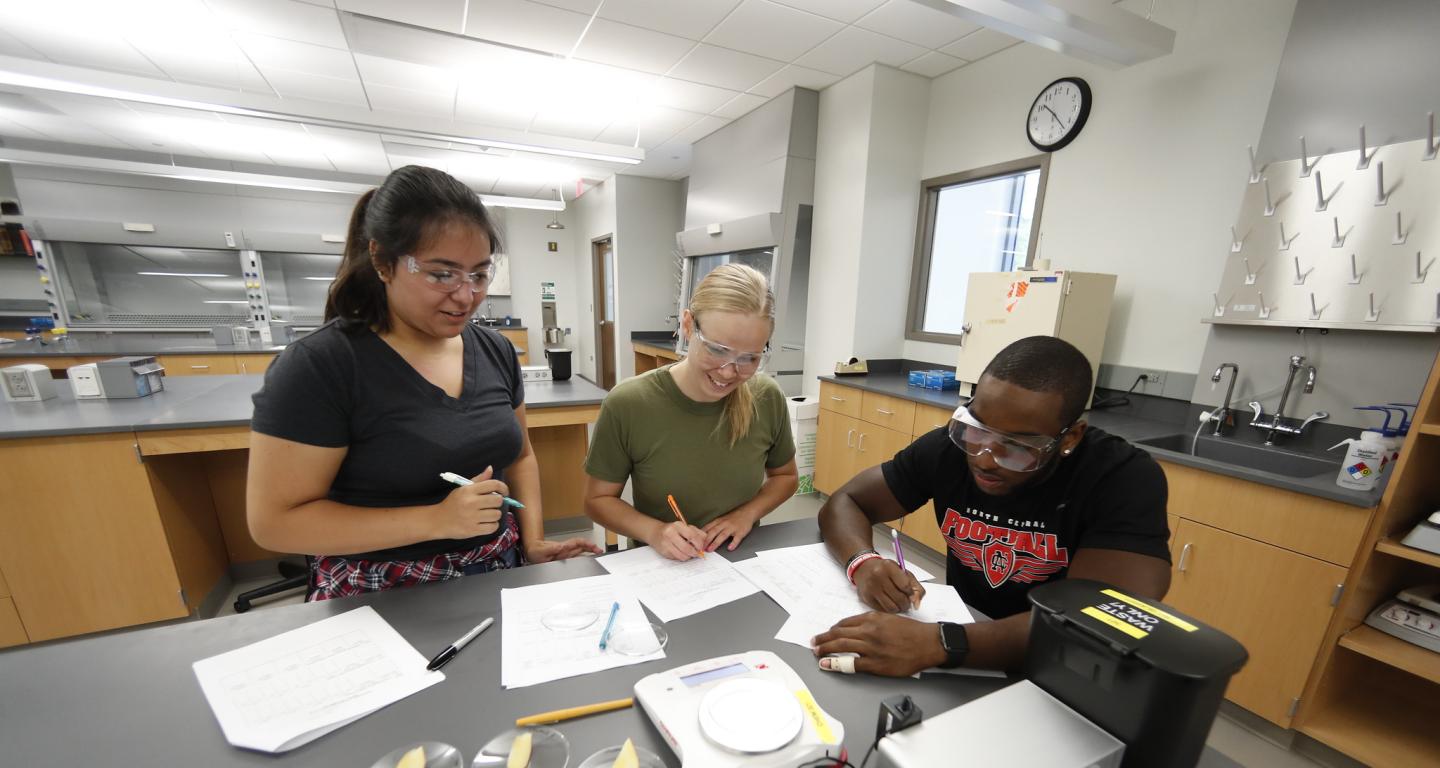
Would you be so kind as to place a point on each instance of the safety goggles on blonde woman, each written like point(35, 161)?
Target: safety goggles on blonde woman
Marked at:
point(720, 355)
point(447, 280)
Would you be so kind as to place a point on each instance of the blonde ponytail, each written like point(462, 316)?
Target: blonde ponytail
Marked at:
point(742, 290)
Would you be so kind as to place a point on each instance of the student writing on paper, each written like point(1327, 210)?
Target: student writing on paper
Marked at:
point(356, 421)
point(706, 429)
point(1024, 494)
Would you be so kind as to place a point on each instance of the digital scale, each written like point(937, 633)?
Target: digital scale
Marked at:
point(747, 709)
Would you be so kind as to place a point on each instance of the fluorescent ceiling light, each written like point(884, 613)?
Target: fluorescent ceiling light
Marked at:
point(179, 274)
point(1091, 30)
point(505, 201)
point(632, 156)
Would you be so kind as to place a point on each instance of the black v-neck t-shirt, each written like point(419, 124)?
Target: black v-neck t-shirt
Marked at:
point(1108, 494)
point(345, 387)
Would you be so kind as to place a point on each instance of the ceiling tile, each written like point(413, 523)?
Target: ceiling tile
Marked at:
point(670, 160)
point(272, 52)
point(10, 127)
point(655, 128)
point(610, 42)
point(692, 97)
point(303, 85)
point(738, 106)
point(528, 25)
point(791, 76)
point(445, 15)
point(388, 98)
point(562, 121)
point(93, 51)
point(225, 68)
point(855, 48)
point(933, 64)
point(691, 19)
point(586, 7)
point(774, 31)
point(284, 19)
point(11, 46)
point(979, 44)
point(402, 74)
point(700, 129)
point(915, 23)
point(713, 65)
point(840, 10)
point(478, 103)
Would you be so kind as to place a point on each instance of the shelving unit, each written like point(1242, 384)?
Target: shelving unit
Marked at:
point(1371, 695)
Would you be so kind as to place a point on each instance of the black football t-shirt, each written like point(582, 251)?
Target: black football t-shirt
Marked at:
point(1107, 494)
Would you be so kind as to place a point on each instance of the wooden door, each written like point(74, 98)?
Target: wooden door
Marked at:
point(875, 445)
point(834, 447)
point(604, 272)
point(197, 365)
point(1275, 602)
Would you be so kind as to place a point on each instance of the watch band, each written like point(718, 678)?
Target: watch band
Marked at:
point(955, 643)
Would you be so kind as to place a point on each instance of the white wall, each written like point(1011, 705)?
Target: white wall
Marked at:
point(649, 212)
point(531, 263)
point(867, 182)
point(1150, 188)
point(594, 218)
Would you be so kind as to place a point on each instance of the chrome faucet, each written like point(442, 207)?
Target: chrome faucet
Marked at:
point(1224, 414)
point(1277, 423)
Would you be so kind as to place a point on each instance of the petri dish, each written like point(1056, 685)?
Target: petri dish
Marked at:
point(637, 638)
point(569, 617)
point(606, 758)
point(437, 755)
point(548, 749)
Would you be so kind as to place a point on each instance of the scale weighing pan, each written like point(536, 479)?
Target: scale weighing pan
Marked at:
point(437, 755)
point(606, 758)
point(548, 749)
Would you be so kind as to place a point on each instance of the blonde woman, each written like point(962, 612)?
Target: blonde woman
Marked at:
point(706, 430)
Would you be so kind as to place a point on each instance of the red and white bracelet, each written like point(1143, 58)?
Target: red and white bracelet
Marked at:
point(860, 558)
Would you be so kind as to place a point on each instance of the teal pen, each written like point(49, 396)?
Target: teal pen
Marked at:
point(609, 625)
point(451, 477)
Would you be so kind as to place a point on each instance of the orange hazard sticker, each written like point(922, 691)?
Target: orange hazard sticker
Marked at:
point(1015, 294)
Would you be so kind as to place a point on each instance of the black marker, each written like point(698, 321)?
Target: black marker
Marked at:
point(442, 658)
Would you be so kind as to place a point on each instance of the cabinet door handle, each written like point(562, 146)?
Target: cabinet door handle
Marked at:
point(1184, 558)
point(861, 446)
point(850, 439)
point(882, 410)
point(837, 399)
point(242, 368)
point(199, 367)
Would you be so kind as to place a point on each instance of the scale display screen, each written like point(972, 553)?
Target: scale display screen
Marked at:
point(700, 678)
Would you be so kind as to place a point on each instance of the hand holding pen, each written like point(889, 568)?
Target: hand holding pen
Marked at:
point(680, 540)
point(474, 508)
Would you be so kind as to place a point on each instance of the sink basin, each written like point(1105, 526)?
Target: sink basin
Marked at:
point(1259, 457)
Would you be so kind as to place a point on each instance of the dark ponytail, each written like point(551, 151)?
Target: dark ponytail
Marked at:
point(412, 205)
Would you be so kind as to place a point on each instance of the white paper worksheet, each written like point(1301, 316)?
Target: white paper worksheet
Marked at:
point(818, 554)
point(290, 689)
point(533, 653)
point(674, 589)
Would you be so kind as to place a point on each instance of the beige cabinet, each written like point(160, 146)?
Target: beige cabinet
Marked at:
point(12, 630)
point(198, 365)
point(253, 364)
point(521, 339)
point(1277, 603)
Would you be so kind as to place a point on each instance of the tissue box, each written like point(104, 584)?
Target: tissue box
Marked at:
point(917, 378)
point(941, 380)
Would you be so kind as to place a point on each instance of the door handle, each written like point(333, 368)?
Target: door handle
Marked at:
point(861, 445)
point(837, 399)
point(199, 367)
point(850, 439)
point(1184, 557)
point(887, 413)
point(964, 332)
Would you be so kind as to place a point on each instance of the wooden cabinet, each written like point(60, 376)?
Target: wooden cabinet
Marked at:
point(1374, 696)
point(840, 399)
point(648, 357)
point(1275, 602)
point(198, 365)
point(893, 413)
point(77, 561)
point(844, 446)
point(521, 339)
point(253, 364)
point(12, 630)
point(928, 418)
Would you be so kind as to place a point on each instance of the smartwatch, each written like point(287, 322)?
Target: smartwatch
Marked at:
point(955, 643)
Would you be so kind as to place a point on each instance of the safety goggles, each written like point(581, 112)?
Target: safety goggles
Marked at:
point(446, 280)
point(744, 362)
point(1017, 453)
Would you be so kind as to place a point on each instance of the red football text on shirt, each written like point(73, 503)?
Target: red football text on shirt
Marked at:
point(1003, 554)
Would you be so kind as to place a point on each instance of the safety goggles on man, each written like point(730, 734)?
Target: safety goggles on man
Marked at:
point(446, 280)
point(1017, 453)
point(744, 362)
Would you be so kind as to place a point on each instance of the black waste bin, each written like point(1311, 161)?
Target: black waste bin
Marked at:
point(559, 359)
point(1150, 675)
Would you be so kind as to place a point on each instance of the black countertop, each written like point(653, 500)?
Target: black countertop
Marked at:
point(118, 345)
point(192, 402)
point(1146, 417)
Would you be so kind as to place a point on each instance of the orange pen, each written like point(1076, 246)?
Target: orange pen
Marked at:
point(678, 515)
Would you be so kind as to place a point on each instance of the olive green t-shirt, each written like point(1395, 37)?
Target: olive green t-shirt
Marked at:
point(649, 431)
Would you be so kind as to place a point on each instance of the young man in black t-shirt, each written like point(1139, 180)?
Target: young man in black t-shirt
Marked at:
point(1024, 494)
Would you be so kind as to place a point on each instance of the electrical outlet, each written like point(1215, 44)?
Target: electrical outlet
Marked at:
point(1154, 382)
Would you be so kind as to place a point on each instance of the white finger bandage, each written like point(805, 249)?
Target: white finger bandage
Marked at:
point(845, 665)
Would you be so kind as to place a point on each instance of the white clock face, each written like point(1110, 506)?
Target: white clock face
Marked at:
point(1058, 112)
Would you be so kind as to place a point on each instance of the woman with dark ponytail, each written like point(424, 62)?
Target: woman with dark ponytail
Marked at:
point(356, 421)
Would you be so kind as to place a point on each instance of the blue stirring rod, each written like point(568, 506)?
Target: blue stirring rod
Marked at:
point(451, 477)
point(609, 625)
